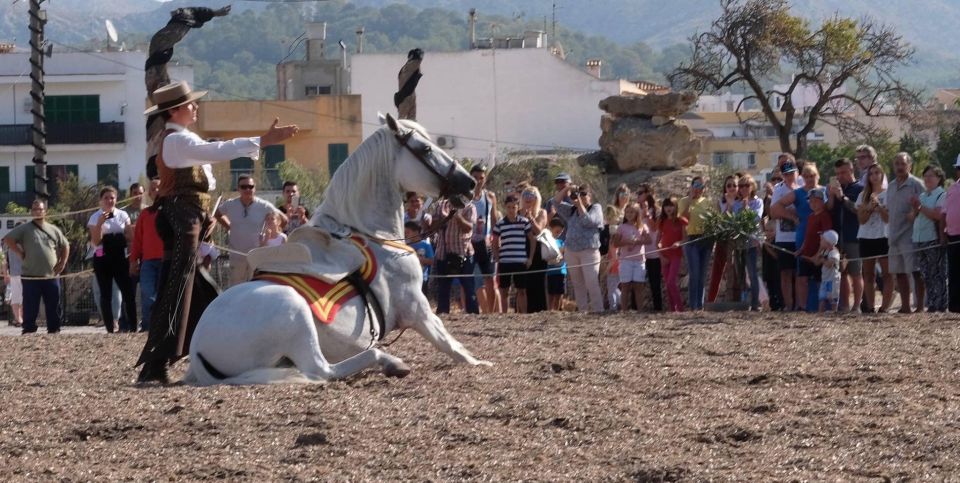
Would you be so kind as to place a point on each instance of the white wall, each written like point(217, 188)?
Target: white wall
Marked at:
point(117, 77)
point(523, 96)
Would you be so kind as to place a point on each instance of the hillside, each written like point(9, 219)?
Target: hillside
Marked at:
point(638, 39)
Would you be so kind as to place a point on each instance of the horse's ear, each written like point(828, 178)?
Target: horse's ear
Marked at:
point(393, 124)
point(381, 118)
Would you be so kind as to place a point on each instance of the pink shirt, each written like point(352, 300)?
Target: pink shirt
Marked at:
point(952, 209)
point(627, 234)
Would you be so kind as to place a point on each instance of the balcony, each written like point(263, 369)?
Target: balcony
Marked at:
point(65, 133)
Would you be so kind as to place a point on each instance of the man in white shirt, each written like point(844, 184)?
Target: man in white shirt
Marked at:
point(186, 178)
point(244, 218)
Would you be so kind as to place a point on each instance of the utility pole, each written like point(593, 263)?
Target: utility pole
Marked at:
point(553, 34)
point(38, 138)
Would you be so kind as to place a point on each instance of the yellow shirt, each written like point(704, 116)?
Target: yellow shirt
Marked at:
point(698, 208)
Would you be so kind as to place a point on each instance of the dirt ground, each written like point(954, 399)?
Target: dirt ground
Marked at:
point(648, 397)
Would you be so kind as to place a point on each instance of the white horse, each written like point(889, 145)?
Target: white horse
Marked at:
point(261, 332)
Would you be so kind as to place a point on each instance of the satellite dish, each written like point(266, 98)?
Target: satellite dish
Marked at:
point(111, 30)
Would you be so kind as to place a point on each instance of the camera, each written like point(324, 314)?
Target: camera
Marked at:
point(108, 215)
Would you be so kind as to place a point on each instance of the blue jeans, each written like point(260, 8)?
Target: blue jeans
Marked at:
point(698, 262)
point(33, 291)
point(466, 285)
point(116, 301)
point(751, 254)
point(149, 283)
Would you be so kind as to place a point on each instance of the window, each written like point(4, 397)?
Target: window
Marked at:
point(55, 172)
point(272, 157)
point(4, 179)
point(336, 155)
point(109, 175)
point(721, 158)
point(72, 109)
point(752, 160)
point(730, 106)
point(239, 166)
point(313, 91)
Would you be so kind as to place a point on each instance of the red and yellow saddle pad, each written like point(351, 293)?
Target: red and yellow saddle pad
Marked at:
point(325, 298)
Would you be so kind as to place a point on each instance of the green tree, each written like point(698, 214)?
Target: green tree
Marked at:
point(311, 181)
point(852, 63)
point(948, 147)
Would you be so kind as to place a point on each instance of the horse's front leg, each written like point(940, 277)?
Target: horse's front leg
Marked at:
point(432, 329)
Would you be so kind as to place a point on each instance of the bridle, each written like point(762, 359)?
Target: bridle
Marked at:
point(446, 183)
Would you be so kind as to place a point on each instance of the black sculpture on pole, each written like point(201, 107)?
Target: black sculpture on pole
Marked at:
point(155, 70)
point(406, 98)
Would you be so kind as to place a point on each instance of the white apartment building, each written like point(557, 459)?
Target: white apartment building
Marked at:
point(94, 111)
point(481, 102)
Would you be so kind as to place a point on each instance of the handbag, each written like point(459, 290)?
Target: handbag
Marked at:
point(549, 249)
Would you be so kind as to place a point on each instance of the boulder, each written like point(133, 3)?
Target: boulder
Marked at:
point(635, 143)
point(664, 105)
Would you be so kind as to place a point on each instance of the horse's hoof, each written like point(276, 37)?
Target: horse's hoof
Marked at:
point(397, 369)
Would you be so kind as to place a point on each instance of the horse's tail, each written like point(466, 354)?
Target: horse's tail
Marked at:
point(202, 373)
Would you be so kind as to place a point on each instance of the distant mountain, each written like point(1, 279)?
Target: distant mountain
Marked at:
point(638, 39)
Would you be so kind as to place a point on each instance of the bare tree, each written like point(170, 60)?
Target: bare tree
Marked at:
point(850, 65)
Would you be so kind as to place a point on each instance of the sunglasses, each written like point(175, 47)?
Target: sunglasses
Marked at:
point(731, 185)
point(247, 186)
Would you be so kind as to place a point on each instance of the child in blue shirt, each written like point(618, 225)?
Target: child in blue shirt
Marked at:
point(557, 274)
point(411, 231)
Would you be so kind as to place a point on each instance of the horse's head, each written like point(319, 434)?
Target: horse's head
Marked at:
point(424, 168)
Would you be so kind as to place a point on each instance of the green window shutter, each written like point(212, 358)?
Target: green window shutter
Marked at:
point(108, 175)
point(336, 154)
point(28, 171)
point(239, 166)
point(72, 109)
point(272, 157)
point(4, 179)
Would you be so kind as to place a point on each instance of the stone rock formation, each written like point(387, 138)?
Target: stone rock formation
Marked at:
point(642, 132)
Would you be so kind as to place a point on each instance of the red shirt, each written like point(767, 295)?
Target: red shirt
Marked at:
point(671, 231)
point(816, 225)
point(146, 242)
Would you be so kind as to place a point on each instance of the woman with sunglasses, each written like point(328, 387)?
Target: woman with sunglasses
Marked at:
point(872, 215)
point(696, 248)
point(750, 201)
point(723, 250)
point(613, 216)
point(583, 218)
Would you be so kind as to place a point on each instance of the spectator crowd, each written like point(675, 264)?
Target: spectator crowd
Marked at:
point(126, 252)
point(812, 246)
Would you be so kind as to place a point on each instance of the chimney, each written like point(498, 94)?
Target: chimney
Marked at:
point(316, 37)
point(593, 67)
point(473, 28)
point(360, 40)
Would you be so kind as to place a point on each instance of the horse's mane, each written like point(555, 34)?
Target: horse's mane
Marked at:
point(364, 193)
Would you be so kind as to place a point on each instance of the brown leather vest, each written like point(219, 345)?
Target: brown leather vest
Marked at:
point(185, 184)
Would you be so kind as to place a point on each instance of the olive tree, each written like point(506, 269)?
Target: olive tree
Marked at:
point(850, 64)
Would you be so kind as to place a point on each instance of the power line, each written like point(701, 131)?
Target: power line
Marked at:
point(331, 116)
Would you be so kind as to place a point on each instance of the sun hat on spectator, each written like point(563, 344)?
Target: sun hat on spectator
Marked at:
point(563, 177)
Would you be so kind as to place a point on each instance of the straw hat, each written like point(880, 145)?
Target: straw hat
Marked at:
point(171, 96)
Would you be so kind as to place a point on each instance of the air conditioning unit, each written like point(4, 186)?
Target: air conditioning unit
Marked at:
point(446, 142)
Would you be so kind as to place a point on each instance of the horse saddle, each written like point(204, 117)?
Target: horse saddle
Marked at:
point(309, 251)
